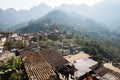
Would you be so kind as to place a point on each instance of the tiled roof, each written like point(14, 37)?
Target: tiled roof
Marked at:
point(107, 74)
point(36, 66)
point(54, 58)
point(101, 71)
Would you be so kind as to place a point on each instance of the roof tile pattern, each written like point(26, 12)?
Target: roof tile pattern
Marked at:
point(37, 68)
point(54, 58)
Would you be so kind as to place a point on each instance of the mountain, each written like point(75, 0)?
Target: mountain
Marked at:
point(98, 40)
point(17, 26)
point(11, 17)
point(8, 17)
point(82, 9)
point(1, 25)
point(69, 21)
point(106, 12)
point(76, 21)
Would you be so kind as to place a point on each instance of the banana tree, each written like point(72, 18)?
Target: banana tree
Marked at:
point(12, 70)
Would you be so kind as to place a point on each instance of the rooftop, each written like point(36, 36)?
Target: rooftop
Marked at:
point(54, 58)
point(37, 68)
point(110, 76)
point(106, 74)
point(84, 65)
point(80, 55)
point(110, 66)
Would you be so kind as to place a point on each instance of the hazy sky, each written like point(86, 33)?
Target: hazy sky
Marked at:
point(27, 4)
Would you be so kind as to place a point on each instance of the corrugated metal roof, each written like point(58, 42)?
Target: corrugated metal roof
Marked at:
point(83, 65)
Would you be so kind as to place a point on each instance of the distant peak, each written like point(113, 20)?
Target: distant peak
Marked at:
point(64, 5)
point(1, 9)
point(10, 9)
point(43, 4)
point(56, 12)
point(84, 5)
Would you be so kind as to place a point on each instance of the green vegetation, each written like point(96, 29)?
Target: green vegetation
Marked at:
point(58, 19)
point(9, 44)
point(40, 25)
point(103, 48)
point(92, 37)
point(11, 70)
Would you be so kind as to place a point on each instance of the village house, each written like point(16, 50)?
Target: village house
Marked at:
point(82, 63)
point(1, 49)
point(49, 60)
point(103, 73)
point(36, 67)
point(54, 35)
point(2, 40)
point(5, 34)
point(116, 65)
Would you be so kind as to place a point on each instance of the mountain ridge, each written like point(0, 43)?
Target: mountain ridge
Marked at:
point(106, 12)
point(73, 21)
point(11, 17)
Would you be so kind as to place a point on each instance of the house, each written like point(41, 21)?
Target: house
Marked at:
point(5, 34)
point(54, 35)
point(36, 66)
point(80, 55)
point(2, 40)
point(82, 63)
point(54, 58)
point(103, 73)
point(1, 49)
point(110, 66)
point(43, 65)
point(64, 52)
point(14, 35)
point(84, 66)
point(116, 65)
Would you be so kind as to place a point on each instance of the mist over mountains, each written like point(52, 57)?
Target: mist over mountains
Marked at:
point(69, 21)
point(92, 24)
point(11, 17)
point(106, 12)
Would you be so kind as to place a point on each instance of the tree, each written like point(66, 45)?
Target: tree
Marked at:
point(9, 44)
point(11, 70)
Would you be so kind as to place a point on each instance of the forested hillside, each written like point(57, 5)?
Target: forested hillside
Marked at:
point(93, 38)
point(70, 20)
